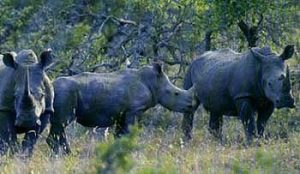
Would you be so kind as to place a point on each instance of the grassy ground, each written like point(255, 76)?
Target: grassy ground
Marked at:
point(156, 148)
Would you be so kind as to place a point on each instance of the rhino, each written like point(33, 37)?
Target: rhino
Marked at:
point(105, 99)
point(239, 84)
point(26, 98)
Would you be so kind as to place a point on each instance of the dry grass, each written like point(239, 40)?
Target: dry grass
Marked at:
point(159, 150)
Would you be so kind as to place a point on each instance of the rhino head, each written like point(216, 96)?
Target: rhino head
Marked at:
point(167, 94)
point(29, 89)
point(275, 75)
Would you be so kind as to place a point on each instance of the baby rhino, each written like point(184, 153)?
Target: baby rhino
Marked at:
point(105, 99)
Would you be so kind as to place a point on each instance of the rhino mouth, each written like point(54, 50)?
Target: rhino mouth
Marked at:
point(189, 108)
point(286, 102)
point(26, 123)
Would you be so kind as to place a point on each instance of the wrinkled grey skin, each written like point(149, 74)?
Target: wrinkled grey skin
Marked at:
point(101, 100)
point(229, 83)
point(26, 98)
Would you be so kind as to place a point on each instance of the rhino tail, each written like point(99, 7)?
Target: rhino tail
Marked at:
point(187, 81)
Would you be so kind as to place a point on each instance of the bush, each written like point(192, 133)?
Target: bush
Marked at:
point(115, 156)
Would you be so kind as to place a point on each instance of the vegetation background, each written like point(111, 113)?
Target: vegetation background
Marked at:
point(102, 35)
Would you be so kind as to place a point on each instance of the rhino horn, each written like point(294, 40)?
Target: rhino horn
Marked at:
point(287, 81)
point(27, 85)
point(27, 98)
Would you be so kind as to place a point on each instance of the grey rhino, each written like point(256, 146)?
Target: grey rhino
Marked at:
point(239, 84)
point(103, 99)
point(26, 98)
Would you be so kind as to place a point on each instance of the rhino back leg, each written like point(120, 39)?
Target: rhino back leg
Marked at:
point(262, 118)
point(215, 124)
point(246, 113)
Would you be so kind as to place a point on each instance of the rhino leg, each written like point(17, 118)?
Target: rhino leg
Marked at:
point(215, 124)
point(64, 143)
point(126, 120)
point(65, 103)
point(262, 118)
point(119, 126)
point(31, 137)
point(8, 136)
point(53, 138)
point(57, 138)
point(44, 121)
point(28, 142)
point(246, 114)
point(187, 126)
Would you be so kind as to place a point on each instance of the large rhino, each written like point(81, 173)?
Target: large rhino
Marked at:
point(26, 98)
point(239, 84)
point(103, 99)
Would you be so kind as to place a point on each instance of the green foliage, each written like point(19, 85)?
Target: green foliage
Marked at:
point(239, 168)
point(115, 156)
point(87, 30)
point(78, 35)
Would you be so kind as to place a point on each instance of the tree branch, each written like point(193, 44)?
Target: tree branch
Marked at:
point(251, 33)
point(175, 62)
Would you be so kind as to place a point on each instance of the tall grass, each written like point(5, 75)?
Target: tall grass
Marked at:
point(156, 148)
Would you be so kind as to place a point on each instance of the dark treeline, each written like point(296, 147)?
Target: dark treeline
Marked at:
point(90, 35)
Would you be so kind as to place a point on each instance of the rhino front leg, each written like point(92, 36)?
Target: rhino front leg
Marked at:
point(187, 126)
point(215, 124)
point(29, 142)
point(246, 114)
point(126, 120)
point(53, 138)
point(31, 137)
point(8, 136)
point(262, 118)
point(44, 121)
point(187, 123)
point(57, 138)
point(64, 143)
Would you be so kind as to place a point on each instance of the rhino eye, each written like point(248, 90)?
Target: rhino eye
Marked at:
point(269, 84)
point(176, 93)
point(39, 95)
point(281, 77)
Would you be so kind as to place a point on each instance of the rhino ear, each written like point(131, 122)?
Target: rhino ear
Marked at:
point(157, 67)
point(9, 60)
point(257, 55)
point(46, 58)
point(287, 53)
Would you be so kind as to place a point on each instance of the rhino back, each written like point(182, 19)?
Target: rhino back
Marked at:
point(100, 97)
point(101, 93)
point(223, 76)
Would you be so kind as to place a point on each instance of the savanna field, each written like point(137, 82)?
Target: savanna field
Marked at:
point(111, 35)
point(156, 148)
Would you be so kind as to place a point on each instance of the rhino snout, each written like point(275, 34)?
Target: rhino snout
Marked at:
point(285, 102)
point(22, 121)
point(191, 104)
